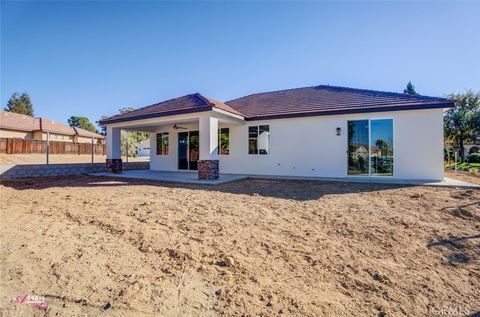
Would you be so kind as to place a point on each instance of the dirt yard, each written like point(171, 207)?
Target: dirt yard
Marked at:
point(249, 248)
point(463, 176)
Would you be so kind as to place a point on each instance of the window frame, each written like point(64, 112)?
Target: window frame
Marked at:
point(220, 141)
point(256, 139)
point(162, 152)
point(370, 119)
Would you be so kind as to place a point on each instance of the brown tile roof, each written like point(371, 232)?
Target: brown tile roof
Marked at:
point(185, 104)
point(87, 134)
point(15, 121)
point(327, 100)
point(298, 102)
point(21, 122)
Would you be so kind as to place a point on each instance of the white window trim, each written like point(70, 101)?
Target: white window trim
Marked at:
point(258, 134)
point(162, 134)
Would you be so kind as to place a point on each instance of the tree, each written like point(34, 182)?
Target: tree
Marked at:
point(82, 122)
point(20, 103)
point(131, 137)
point(410, 90)
point(462, 122)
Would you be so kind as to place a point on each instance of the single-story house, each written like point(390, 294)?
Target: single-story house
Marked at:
point(469, 148)
point(320, 131)
point(20, 126)
point(143, 148)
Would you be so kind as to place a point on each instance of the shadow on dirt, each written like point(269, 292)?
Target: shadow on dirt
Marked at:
point(301, 190)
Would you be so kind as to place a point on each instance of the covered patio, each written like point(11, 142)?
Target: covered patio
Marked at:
point(184, 136)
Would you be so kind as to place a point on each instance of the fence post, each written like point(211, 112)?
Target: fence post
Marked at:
point(48, 140)
point(93, 150)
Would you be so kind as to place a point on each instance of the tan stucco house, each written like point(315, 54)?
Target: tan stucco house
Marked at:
point(19, 126)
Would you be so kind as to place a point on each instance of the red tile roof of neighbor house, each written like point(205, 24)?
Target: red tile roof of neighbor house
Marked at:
point(297, 102)
point(21, 122)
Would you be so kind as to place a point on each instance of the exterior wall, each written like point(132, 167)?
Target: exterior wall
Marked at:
point(15, 134)
point(81, 139)
point(39, 135)
point(310, 147)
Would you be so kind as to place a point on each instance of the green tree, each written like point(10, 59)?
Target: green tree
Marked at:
point(462, 122)
point(131, 137)
point(410, 90)
point(82, 122)
point(20, 103)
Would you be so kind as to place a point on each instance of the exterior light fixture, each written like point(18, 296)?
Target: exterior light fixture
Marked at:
point(338, 131)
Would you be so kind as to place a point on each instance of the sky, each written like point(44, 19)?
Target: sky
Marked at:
point(92, 58)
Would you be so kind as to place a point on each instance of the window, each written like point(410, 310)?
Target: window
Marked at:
point(370, 147)
point(259, 140)
point(224, 141)
point(162, 143)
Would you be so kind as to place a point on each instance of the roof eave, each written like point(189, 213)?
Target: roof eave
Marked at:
point(156, 115)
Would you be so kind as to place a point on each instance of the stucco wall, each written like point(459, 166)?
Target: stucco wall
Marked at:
point(15, 134)
point(310, 146)
point(81, 139)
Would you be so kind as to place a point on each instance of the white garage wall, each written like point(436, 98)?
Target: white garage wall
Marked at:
point(310, 147)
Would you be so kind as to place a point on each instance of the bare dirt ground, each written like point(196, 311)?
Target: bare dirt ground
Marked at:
point(463, 176)
point(248, 248)
point(58, 158)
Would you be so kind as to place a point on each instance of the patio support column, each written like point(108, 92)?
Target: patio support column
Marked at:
point(208, 167)
point(114, 150)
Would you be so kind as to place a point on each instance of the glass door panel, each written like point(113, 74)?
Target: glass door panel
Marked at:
point(193, 152)
point(182, 150)
point(381, 148)
point(358, 147)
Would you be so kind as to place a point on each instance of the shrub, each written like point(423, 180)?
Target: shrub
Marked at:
point(474, 158)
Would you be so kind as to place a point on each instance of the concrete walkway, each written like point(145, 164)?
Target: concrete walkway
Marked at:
point(190, 177)
point(187, 177)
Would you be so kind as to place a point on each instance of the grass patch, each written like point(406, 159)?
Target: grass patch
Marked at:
point(473, 168)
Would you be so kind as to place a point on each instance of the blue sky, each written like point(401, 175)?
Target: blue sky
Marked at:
point(92, 58)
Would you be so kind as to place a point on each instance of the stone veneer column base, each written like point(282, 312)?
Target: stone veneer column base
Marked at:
point(114, 165)
point(208, 169)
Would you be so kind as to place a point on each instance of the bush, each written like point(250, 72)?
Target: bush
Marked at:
point(474, 158)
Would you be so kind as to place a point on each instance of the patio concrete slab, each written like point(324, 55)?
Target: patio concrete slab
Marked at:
point(177, 177)
point(190, 177)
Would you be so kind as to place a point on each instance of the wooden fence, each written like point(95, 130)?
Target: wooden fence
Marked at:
point(24, 146)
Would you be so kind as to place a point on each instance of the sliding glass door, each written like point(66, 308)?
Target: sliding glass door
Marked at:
point(370, 147)
point(358, 147)
point(188, 150)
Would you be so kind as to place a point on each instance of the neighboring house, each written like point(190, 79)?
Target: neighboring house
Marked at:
point(312, 131)
point(469, 148)
point(20, 126)
point(143, 148)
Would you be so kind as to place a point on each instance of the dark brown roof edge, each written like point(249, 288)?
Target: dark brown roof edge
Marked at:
point(352, 111)
point(157, 115)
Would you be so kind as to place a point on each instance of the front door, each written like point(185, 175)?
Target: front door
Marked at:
point(188, 150)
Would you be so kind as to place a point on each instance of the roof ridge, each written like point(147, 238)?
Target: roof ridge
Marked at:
point(337, 88)
point(377, 91)
point(205, 99)
point(156, 104)
point(269, 92)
